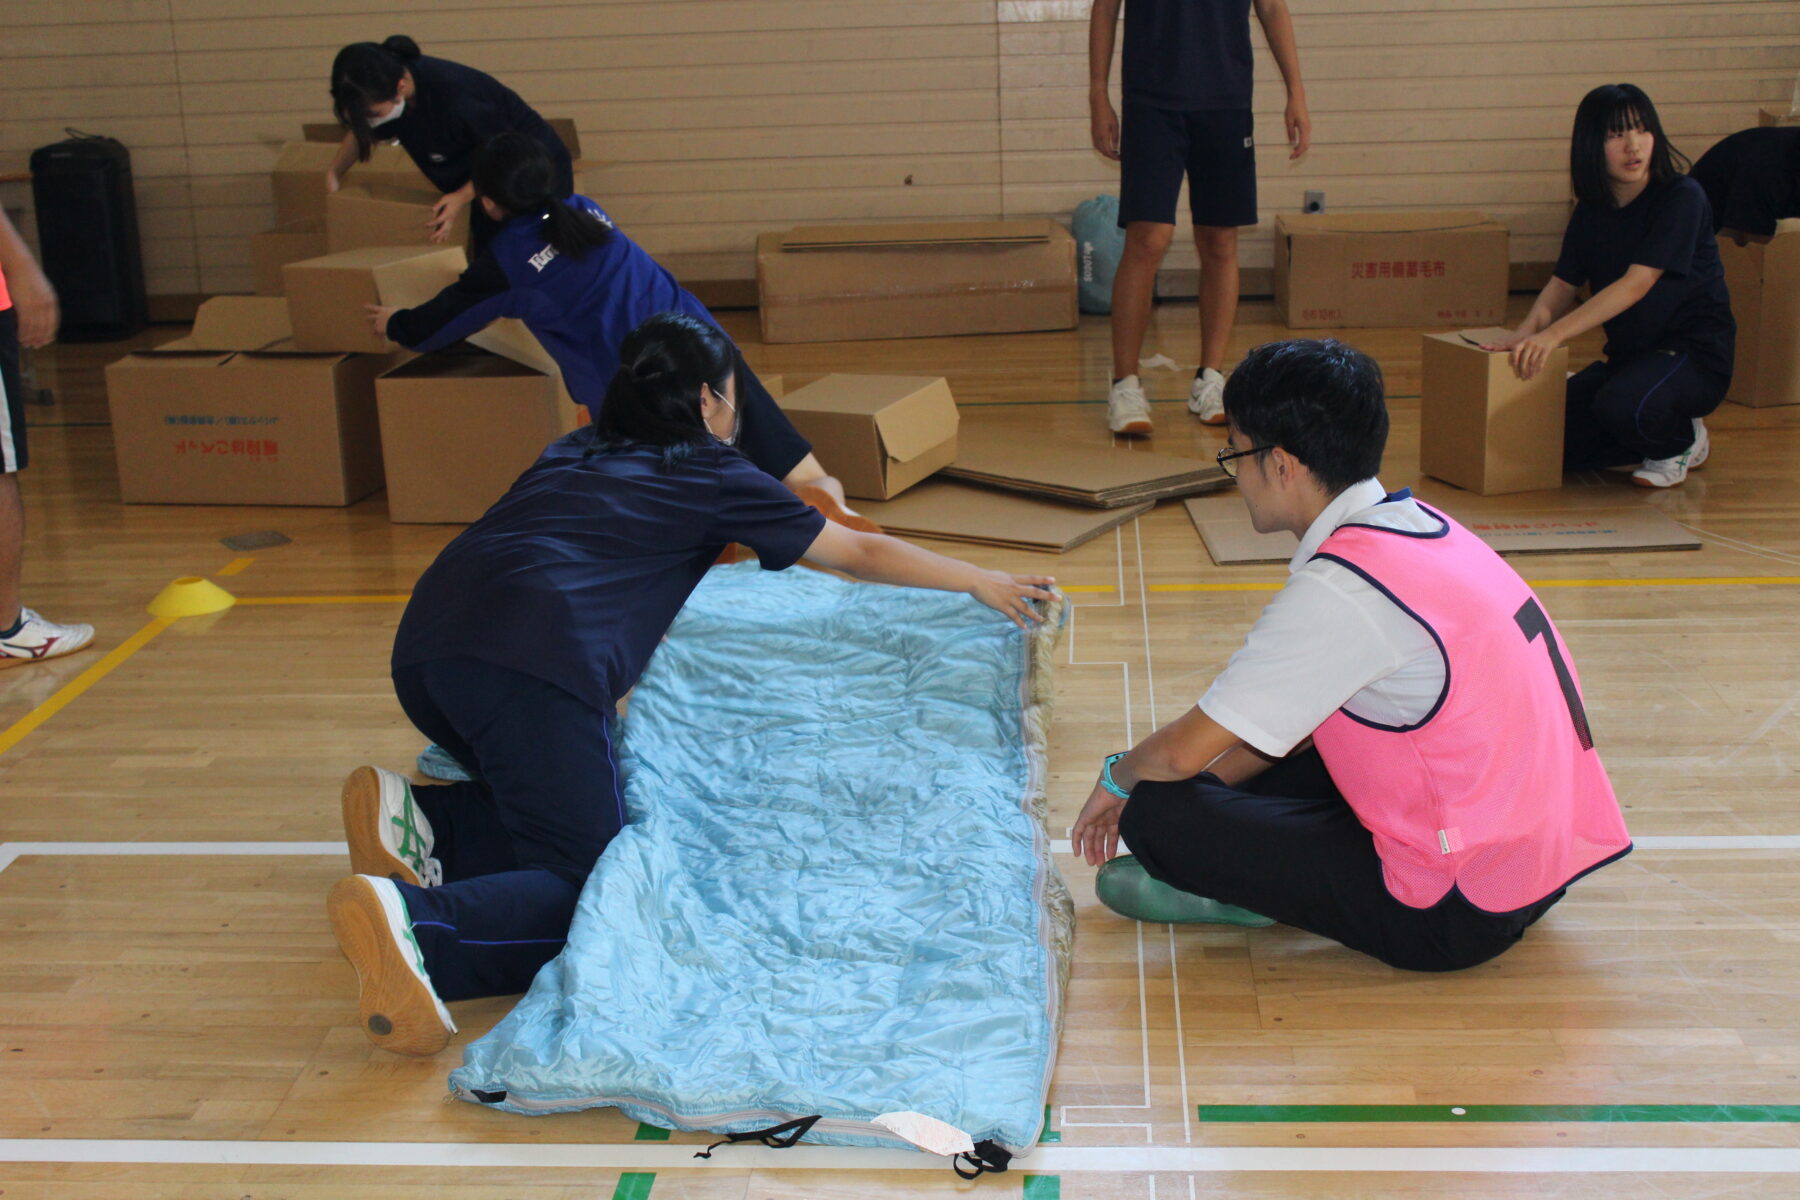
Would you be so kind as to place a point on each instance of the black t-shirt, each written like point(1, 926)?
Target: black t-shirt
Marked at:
point(1187, 54)
point(1668, 226)
point(575, 574)
point(1752, 179)
point(455, 110)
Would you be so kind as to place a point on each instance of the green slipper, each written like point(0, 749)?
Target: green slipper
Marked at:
point(1125, 887)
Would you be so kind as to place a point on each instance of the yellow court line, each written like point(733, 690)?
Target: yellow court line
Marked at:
point(81, 683)
point(235, 565)
point(1702, 581)
point(400, 598)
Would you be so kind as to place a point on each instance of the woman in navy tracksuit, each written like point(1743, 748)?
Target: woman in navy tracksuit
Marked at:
point(580, 285)
point(441, 113)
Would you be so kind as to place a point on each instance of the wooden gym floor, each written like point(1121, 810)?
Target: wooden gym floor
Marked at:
point(177, 1020)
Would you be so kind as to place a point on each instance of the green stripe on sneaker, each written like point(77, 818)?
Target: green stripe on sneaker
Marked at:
point(650, 1133)
point(634, 1185)
point(1724, 1114)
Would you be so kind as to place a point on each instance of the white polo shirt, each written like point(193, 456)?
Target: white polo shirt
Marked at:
point(1330, 640)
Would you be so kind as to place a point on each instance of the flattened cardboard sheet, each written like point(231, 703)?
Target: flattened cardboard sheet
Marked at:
point(1231, 540)
point(957, 512)
point(1087, 473)
point(935, 233)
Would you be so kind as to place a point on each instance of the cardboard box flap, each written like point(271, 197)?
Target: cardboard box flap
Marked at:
point(916, 424)
point(1413, 221)
point(236, 323)
point(944, 233)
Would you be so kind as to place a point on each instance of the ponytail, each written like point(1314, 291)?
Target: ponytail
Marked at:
point(365, 73)
point(654, 397)
point(514, 170)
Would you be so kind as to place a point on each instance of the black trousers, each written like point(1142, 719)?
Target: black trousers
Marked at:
point(1287, 845)
point(518, 841)
point(1628, 410)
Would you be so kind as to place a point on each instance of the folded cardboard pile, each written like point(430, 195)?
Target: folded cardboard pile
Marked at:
point(1231, 540)
point(1091, 474)
point(956, 512)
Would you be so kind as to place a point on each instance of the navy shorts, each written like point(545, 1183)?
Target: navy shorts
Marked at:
point(12, 396)
point(1214, 148)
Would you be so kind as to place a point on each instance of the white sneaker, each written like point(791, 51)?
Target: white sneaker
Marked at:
point(39, 639)
point(1673, 472)
point(1127, 411)
point(1206, 398)
point(389, 837)
point(399, 1009)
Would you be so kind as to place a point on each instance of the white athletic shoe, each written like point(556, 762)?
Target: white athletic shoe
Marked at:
point(1127, 411)
point(389, 837)
point(39, 639)
point(1673, 472)
point(1206, 398)
point(398, 1007)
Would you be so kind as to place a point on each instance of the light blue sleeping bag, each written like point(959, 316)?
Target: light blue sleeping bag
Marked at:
point(835, 895)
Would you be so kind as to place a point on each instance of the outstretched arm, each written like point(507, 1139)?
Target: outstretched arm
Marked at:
point(877, 558)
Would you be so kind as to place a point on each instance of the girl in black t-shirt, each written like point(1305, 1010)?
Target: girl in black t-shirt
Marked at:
point(440, 112)
point(1641, 240)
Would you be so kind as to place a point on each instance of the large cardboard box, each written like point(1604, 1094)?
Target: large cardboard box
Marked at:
point(1480, 426)
point(232, 415)
point(326, 295)
point(1776, 116)
point(457, 430)
point(1390, 269)
point(1764, 282)
point(878, 434)
point(331, 131)
point(851, 282)
point(273, 249)
point(382, 215)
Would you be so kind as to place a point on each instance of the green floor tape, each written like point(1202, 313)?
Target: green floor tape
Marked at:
point(1049, 1134)
point(651, 1133)
point(1043, 1187)
point(1479, 1113)
point(634, 1185)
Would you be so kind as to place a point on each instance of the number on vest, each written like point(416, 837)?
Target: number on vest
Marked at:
point(1533, 623)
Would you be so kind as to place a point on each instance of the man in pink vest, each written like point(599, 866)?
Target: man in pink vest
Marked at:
point(1397, 757)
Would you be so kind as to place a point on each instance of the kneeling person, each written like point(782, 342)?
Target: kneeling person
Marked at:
point(1397, 757)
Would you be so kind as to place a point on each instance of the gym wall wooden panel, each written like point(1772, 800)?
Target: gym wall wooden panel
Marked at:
point(718, 119)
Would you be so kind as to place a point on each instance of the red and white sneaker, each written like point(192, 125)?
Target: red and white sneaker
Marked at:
point(38, 639)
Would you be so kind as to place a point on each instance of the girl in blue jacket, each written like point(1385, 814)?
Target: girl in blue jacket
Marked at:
point(580, 285)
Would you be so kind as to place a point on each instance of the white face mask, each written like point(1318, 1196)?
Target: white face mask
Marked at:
point(393, 114)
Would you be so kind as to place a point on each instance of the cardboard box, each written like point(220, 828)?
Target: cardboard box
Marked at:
point(1386, 269)
point(1764, 282)
point(959, 512)
point(331, 131)
point(298, 181)
point(229, 415)
point(878, 434)
point(1776, 116)
point(326, 295)
point(835, 283)
point(381, 215)
point(458, 429)
point(1483, 428)
point(1231, 540)
point(274, 248)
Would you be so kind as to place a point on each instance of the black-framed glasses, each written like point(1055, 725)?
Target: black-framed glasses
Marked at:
point(1226, 458)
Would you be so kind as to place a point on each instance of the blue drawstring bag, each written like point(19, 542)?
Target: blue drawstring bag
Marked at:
point(1099, 243)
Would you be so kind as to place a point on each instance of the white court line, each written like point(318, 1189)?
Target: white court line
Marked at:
point(9, 851)
point(1109, 1160)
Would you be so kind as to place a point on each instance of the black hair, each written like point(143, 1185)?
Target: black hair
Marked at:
point(365, 73)
point(515, 172)
point(1608, 109)
point(1321, 401)
point(654, 397)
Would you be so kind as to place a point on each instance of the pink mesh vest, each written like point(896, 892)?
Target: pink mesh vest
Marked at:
point(1498, 791)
